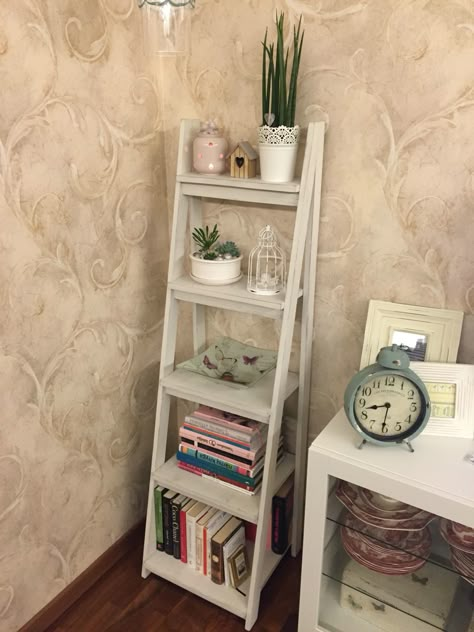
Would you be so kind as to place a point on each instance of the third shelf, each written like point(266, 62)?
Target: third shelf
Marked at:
point(213, 493)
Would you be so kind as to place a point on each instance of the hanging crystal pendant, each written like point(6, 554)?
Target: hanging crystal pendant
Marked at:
point(267, 265)
point(167, 25)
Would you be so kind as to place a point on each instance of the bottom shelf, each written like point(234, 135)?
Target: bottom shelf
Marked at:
point(173, 570)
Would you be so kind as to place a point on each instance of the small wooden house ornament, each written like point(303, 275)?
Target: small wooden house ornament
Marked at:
point(243, 161)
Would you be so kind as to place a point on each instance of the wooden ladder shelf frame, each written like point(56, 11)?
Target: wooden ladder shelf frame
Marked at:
point(305, 196)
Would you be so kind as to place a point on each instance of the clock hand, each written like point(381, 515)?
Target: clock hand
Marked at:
point(374, 407)
point(387, 406)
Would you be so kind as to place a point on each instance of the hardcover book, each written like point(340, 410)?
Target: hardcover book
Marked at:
point(213, 526)
point(167, 521)
point(282, 514)
point(247, 426)
point(192, 516)
point(182, 530)
point(158, 496)
point(200, 526)
point(217, 548)
point(176, 505)
point(218, 478)
point(219, 446)
point(211, 467)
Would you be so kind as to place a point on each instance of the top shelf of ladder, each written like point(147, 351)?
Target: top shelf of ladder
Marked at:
point(223, 187)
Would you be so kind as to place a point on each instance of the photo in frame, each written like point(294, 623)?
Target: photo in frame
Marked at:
point(451, 390)
point(430, 334)
point(239, 566)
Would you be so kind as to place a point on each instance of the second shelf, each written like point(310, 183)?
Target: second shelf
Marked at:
point(213, 493)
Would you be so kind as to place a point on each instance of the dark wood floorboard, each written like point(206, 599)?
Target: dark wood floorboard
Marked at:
point(121, 601)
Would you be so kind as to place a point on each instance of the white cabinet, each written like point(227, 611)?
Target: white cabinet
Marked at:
point(340, 595)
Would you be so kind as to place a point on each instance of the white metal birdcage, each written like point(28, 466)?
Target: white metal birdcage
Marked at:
point(267, 265)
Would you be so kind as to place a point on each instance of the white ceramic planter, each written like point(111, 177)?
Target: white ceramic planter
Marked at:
point(278, 148)
point(220, 272)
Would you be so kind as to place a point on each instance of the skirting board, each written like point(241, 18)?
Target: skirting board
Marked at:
point(67, 597)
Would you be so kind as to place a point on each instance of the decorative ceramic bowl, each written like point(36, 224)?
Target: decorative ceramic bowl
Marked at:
point(463, 563)
point(388, 552)
point(457, 535)
point(407, 518)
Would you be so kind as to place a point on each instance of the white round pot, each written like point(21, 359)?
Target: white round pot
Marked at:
point(278, 148)
point(217, 272)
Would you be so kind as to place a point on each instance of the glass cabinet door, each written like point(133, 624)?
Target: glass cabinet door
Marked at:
point(392, 567)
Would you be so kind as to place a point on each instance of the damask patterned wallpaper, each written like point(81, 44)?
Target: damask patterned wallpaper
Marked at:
point(83, 259)
point(393, 80)
point(88, 145)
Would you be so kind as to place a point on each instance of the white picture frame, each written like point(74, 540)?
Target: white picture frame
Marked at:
point(448, 419)
point(433, 334)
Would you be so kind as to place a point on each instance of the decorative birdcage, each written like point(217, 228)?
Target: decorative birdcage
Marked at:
point(167, 25)
point(267, 265)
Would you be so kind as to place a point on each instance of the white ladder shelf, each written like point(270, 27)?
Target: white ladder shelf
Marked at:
point(263, 402)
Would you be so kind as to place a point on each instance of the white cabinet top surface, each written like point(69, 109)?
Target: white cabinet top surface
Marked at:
point(438, 466)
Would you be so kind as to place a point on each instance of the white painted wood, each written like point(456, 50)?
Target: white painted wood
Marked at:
point(436, 478)
point(221, 496)
point(255, 184)
point(234, 297)
point(306, 344)
point(461, 376)
point(284, 350)
point(254, 402)
point(175, 571)
point(253, 196)
point(442, 327)
point(264, 401)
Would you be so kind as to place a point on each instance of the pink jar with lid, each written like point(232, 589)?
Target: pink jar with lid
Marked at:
point(209, 150)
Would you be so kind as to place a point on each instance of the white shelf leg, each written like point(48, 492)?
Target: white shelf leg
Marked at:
point(314, 530)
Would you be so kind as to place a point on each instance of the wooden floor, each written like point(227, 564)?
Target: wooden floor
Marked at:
point(124, 602)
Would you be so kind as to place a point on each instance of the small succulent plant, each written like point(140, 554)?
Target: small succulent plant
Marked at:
point(209, 247)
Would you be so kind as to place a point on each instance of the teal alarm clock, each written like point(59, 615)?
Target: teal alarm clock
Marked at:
point(387, 402)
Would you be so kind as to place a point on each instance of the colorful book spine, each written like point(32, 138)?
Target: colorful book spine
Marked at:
point(237, 435)
point(176, 505)
point(211, 467)
point(182, 533)
point(201, 440)
point(158, 496)
point(167, 523)
point(215, 523)
point(207, 456)
point(234, 422)
point(216, 477)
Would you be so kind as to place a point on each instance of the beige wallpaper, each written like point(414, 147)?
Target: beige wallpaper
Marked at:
point(87, 145)
point(83, 258)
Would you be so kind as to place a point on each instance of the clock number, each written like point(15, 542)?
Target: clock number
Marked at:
point(413, 407)
point(408, 419)
point(362, 402)
point(385, 429)
point(411, 394)
point(390, 380)
point(402, 385)
point(372, 421)
point(376, 384)
point(367, 391)
point(364, 415)
point(398, 427)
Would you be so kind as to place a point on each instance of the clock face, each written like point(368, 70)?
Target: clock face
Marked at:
point(388, 406)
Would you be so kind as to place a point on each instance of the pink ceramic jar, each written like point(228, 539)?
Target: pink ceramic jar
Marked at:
point(209, 150)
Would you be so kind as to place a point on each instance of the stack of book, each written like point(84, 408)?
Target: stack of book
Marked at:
point(209, 541)
point(225, 447)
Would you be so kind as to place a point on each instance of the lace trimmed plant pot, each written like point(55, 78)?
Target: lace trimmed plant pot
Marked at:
point(278, 147)
point(215, 272)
